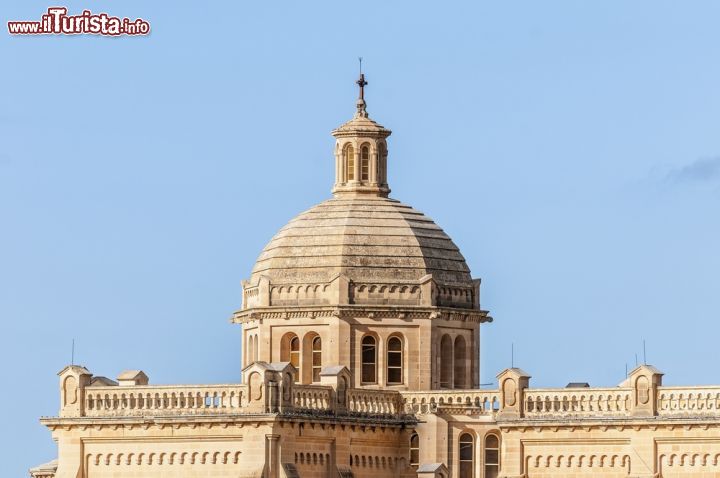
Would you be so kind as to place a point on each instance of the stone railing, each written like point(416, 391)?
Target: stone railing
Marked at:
point(567, 402)
point(688, 401)
point(373, 402)
point(267, 388)
point(312, 397)
point(478, 401)
point(163, 400)
point(270, 388)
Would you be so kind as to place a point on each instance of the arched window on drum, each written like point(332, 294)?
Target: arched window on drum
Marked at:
point(295, 352)
point(394, 361)
point(349, 163)
point(369, 359)
point(365, 163)
point(316, 358)
point(290, 351)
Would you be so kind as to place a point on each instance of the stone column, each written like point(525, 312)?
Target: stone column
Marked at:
point(345, 352)
point(433, 434)
point(263, 291)
point(475, 358)
point(374, 167)
point(435, 357)
point(263, 342)
point(425, 360)
point(643, 455)
point(338, 167)
point(272, 456)
point(511, 455)
point(383, 169)
point(342, 167)
point(70, 452)
point(73, 380)
point(358, 157)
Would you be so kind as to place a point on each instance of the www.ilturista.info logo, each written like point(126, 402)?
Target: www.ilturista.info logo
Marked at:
point(58, 22)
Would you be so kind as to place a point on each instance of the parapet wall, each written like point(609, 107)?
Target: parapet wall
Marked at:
point(271, 388)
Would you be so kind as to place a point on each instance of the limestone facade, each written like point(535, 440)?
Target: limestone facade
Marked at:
point(361, 344)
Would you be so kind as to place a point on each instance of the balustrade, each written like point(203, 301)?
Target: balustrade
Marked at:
point(688, 400)
point(479, 401)
point(312, 397)
point(373, 402)
point(577, 402)
point(163, 400)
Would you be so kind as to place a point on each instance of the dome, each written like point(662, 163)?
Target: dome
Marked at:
point(361, 247)
point(369, 239)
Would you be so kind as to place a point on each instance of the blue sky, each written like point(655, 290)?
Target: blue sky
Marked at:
point(570, 149)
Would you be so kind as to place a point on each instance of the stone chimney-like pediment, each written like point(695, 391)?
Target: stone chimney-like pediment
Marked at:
point(130, 378)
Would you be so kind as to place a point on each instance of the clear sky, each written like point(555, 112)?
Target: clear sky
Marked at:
point(570, 149)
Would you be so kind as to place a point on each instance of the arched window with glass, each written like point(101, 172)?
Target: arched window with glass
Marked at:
point(350, 162)
point(414, 450)
point(394, 361)
point(290, 350)
point(295, 351)
point(365, 163)
point(316, 358)
point(492, 456)
point(369, 359)
point(466, 455)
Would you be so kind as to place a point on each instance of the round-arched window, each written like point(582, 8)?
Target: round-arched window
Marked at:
point(492, 456)
point(394, 361)
point(350, 162)
point(414, 449)
point(295, 351)
point(369, 359)
point(466, 454)
point(316, 358)
point(364, 163)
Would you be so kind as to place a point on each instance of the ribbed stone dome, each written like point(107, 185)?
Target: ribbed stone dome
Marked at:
point(366, 238)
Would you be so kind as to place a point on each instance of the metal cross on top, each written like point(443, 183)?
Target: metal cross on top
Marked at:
point(361, 81)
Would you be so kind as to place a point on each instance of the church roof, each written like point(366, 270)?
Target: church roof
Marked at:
point(131, 374)
point(368, 239)
point(361, 125)
point(46, 469)
point(100, 381)
point(361, 233)
point(430, 467)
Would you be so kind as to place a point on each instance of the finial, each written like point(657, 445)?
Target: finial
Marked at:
point(361, 99)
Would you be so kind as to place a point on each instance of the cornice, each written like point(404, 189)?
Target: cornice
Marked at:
point(361, 311)
point(223, 421)
point(615, 423)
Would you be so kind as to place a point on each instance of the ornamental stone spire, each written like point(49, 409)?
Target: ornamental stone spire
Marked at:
point(361, 153)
